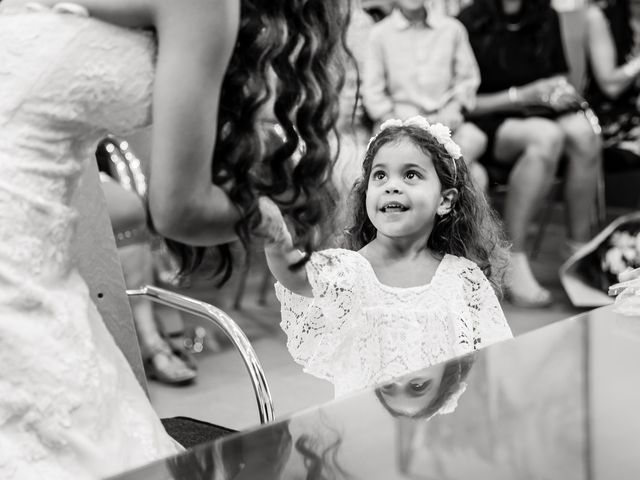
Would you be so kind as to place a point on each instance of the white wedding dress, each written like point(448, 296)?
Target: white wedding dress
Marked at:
point(70, 407)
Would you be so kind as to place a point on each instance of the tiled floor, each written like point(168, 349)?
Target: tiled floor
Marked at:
point(222, 393)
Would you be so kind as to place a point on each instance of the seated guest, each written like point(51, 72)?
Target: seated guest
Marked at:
point(420, 63)
point(527, 109)
point(613, 79)
point(354, 127)
point(162, 361)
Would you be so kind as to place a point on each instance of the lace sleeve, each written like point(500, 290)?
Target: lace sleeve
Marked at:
point(315, 327)
point(489, 323)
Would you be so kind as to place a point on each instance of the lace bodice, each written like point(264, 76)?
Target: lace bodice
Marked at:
point(357, 332)
point(65, 81)
point(70, 407)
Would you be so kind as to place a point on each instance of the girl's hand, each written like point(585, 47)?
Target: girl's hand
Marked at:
point(272, 227)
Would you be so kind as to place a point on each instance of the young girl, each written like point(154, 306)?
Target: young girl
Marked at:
point(410, 291)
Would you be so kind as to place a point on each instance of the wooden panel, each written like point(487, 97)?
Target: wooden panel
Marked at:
point(95, 254)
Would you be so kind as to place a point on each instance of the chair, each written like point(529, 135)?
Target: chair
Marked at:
point(97, 260)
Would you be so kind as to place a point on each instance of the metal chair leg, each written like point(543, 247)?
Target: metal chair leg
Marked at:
point(601, 201)
point(543, 221)
point(231, 330)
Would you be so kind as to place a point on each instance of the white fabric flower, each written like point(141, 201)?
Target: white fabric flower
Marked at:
point(440, 132)
point(453, 149)
point(392, 122)
point(417, 121)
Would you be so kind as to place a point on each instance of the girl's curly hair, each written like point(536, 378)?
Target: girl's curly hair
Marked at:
point(286, 51)
point(471, 229)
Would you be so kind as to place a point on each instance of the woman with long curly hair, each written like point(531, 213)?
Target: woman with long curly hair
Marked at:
point(413, 287)
point(70, 406)
point(532, 118)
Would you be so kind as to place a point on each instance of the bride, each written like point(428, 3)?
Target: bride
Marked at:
point(69, 73)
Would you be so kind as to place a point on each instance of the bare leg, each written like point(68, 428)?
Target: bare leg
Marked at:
point(164, 365)
point(473, 143)
point(583, 149)
point(535, 144)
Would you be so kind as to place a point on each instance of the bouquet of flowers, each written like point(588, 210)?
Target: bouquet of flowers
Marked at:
point(622, 252)
point(588, 273)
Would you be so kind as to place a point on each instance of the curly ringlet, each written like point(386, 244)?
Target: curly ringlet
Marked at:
point(297, 42)
point(471, 229)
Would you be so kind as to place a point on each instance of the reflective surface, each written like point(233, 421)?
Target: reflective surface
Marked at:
point(562, 402)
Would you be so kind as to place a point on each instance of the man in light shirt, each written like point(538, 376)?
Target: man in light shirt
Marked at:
point(421, 63)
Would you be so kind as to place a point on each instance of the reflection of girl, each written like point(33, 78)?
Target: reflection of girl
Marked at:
point(427, 392)
point(420, 396)
point(411, 291)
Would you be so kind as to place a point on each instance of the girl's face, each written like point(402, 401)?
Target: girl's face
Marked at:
point(404, 192)
point(410, 395)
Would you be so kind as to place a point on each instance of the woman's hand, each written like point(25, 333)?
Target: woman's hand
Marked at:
point(554, 92)
point(273, 227)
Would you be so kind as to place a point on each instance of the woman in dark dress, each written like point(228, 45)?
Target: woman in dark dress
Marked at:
point(531, 116)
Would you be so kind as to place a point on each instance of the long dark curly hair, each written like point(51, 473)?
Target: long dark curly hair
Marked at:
point(296, 43)
point(471, 229)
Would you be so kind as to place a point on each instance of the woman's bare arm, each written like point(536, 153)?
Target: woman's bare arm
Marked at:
point(611, 78)
point(196, 39)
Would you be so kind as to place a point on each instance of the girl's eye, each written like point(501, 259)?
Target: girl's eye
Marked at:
point(417, 386)
point(411, 175)
point(378, 175)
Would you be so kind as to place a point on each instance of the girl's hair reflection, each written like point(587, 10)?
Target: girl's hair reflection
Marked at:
point(422, 394)
point(259, 454)
point(416, 398)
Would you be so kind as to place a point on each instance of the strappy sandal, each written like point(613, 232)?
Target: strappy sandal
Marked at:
point(165, 366)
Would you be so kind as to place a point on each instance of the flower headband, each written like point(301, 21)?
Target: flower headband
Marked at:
point(440, 132)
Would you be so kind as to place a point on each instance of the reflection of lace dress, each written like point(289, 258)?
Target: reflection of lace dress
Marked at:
point(70, 406)
point(357, 332)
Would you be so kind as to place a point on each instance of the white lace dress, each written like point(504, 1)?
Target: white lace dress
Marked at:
point(357, 332)
point(70, 407)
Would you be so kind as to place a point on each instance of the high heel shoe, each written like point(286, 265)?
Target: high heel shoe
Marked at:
point(529, 293)
point(539, 298)
point(165, 366)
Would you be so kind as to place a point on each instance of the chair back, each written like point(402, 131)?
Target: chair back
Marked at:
point(95, 255)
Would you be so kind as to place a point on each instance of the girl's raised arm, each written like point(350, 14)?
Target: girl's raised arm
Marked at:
point(280, 252)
